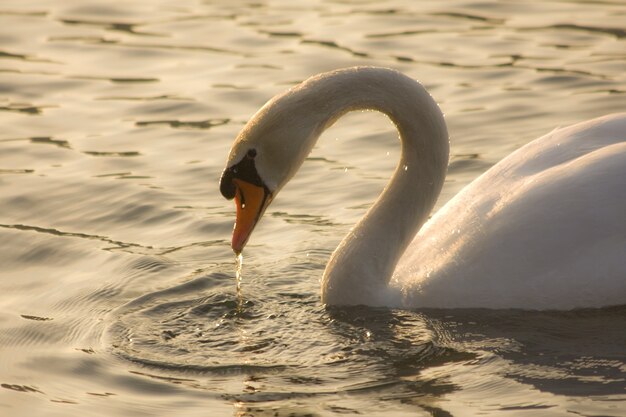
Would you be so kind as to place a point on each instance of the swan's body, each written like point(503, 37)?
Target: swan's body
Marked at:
point(543, 229)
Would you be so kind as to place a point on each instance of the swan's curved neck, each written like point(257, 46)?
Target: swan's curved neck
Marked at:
point(360, 268)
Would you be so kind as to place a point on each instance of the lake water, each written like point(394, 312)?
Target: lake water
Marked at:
point(117, 282)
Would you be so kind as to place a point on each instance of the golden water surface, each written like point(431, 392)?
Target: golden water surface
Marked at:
point(117, 282)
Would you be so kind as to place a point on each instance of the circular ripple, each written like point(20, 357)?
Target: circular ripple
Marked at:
point(200, 327)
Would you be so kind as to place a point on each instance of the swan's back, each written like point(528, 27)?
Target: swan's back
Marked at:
point(545, 228)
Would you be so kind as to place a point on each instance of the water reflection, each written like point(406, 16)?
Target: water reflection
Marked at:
point(571, 353)
point(410, 357)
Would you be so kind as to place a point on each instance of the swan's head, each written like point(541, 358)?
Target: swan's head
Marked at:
point(266, 154)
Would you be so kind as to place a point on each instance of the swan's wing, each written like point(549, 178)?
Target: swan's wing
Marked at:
point(544, 228)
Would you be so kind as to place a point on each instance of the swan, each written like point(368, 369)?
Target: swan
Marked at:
point(545, 228)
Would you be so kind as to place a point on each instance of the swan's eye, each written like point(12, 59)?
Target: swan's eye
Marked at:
point(251, 153)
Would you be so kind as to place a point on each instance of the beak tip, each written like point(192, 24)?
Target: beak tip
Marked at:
point(237, 245)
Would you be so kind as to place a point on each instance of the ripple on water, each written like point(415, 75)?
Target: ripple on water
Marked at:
point(290, 342)
point(286, 346)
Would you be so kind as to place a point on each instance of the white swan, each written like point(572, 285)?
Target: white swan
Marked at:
point(543, 229)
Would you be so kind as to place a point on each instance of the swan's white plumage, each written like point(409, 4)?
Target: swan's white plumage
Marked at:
point(543, 229)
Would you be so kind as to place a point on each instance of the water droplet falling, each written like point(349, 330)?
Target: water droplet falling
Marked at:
point(239, 278)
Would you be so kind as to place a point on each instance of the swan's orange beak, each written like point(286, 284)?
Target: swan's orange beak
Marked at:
point(251, 202)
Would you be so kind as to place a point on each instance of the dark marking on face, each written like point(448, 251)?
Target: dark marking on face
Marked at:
point(244, 170)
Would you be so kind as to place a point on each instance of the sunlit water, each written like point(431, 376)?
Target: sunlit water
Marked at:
point(117, 284)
